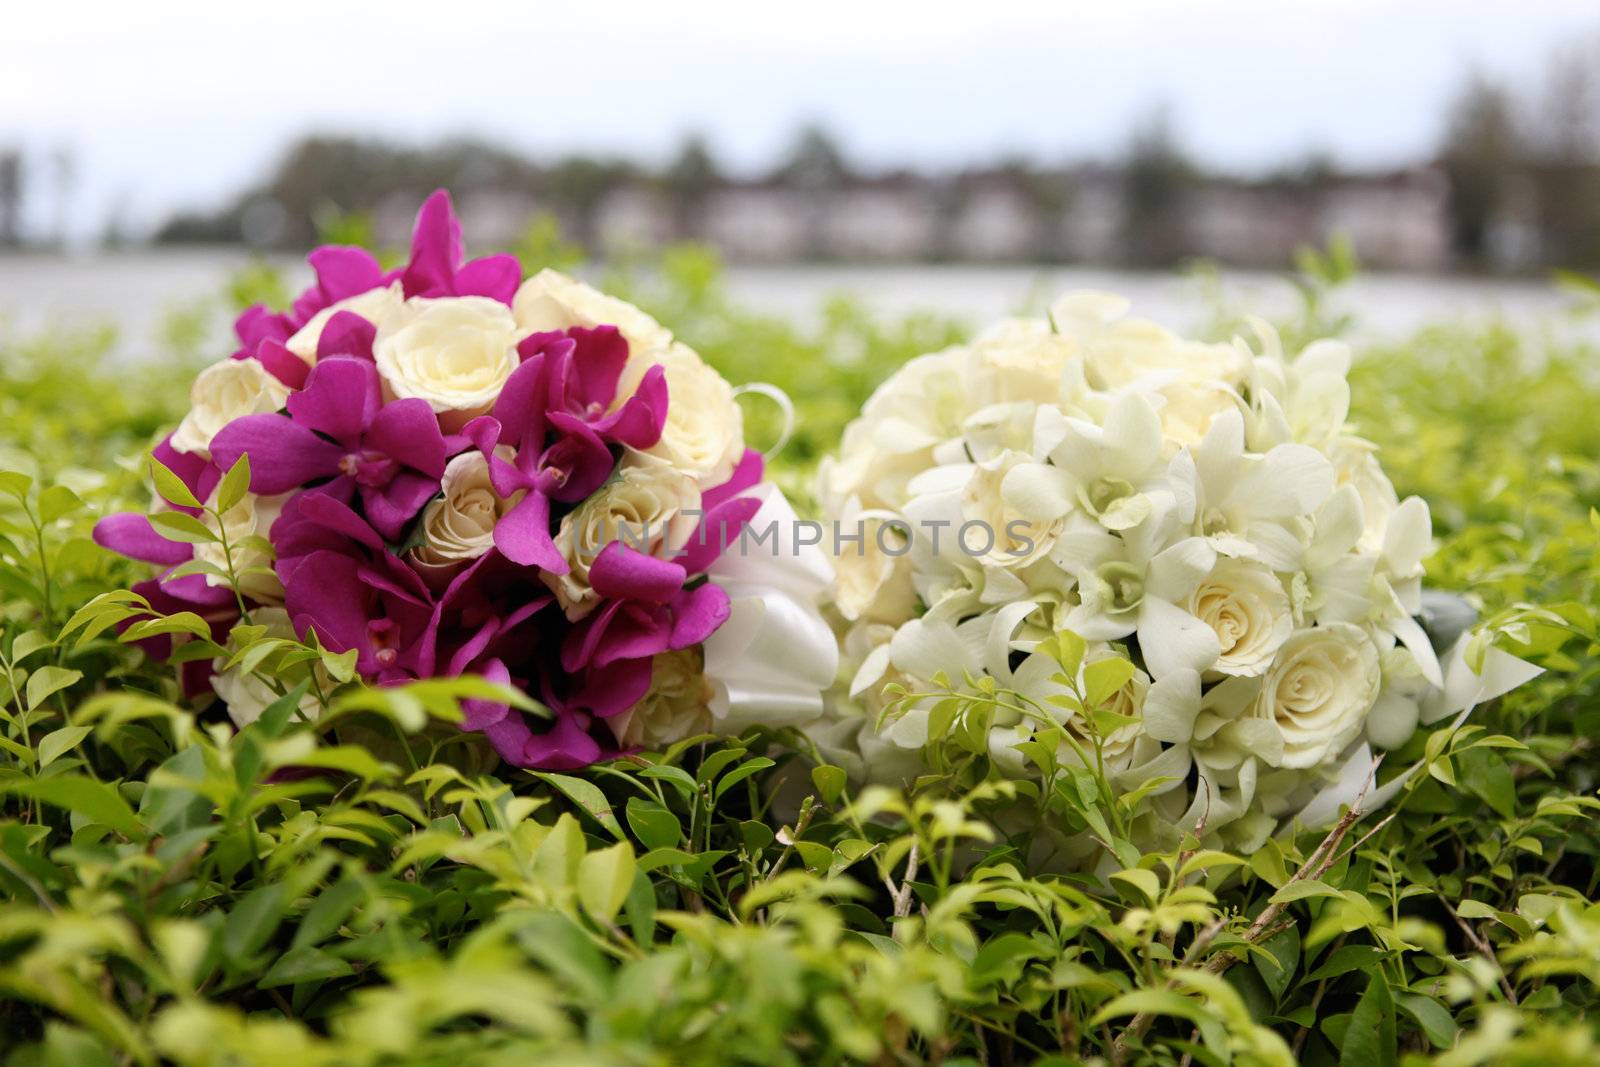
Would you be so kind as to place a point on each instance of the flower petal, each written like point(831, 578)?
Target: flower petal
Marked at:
point(283, 454)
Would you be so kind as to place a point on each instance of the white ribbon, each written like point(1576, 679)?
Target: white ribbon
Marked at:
point(771, 661)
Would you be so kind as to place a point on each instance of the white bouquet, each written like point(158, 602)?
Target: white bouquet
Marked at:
point(1205, 506)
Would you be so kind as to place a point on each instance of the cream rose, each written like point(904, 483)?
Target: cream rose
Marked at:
point(226, 390)
point(247, 695)
point(1247, 607)
point(551, 300)
point(872, 577)
point(644, 507)
point(994, 530)
point(704, 431)
point(1319, 690)
point(1127, 351)
point(456, 353)
point(378, 306)
point(252, 516)
point(459, 525)
point(677, 706)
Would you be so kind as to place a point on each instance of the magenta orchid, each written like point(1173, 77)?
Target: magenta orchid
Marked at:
point(338, 427)
point(417, 479)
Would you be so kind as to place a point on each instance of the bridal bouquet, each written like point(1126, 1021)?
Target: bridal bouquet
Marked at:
point(1204, 509)
point(455, 470)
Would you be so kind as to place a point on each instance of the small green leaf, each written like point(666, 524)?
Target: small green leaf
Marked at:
point(47, 681)
point(604, 880)
point(587, 796)
point(27, 644)
point(234, 484)
point(1103, 677)
point(830, 782)
point(181, 526)
point(15, 483)
point(252, 922)
point(54, 745)
point(739, 774)
point(93, 800)
point(652, 824)
point(304, 964)
point(55, 502)
point(1145, 882)
point(171, 487)
point(1369, 1040)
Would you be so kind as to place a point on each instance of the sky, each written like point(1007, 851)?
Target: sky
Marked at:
point(182, 104)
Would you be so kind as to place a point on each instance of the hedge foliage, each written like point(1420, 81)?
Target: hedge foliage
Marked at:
point(368, 889)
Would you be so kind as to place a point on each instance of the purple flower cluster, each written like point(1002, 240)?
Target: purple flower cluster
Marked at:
point(353, 467)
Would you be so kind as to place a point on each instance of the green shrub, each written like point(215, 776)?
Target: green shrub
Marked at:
point(367, 889)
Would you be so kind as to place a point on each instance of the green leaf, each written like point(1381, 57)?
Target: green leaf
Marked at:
point(54, 745)
point(1069, 652)
point(55, 502)
point(252, 921)
point(830, 782)
point(170, 486)
point(1277, 967)
point(47, 681)
point(234, 484)
point(304, 964)
point(652, 824)
point(1145, 882)
point(739, 774)
point(332, 906)
point(604, 880)
point(1369, 1040)
point(587, 796)
point(1154, 1002)
point(347, 758)
point(15, 483)
point(93, 800)
point(181, 526)
point(1102, 679)
point(1304, 889)
point(1431, 1017)
point(27, 644)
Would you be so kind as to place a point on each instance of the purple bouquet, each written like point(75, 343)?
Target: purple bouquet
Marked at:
point(455, 470)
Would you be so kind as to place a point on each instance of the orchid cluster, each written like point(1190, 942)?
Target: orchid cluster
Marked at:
point(1202, 508)
point(453, 470)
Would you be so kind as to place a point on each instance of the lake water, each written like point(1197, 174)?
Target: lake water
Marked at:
point(136, 291)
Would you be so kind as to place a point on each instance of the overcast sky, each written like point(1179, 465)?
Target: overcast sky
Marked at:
point(182, 104)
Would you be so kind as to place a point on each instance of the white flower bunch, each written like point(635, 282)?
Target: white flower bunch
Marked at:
point(1207, 507)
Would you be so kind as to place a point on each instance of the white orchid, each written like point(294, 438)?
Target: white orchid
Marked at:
point(1111, 472)
point(1249, 505)
point(1135, 583)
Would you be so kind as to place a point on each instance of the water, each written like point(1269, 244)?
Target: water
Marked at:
point(137, 292)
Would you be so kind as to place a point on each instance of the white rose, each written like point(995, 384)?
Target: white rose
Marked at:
point(643, 507)
point(1319, 690)
point(459, 525)
point(228, 389)
point(1129, 350)
point(994, 530)
point(377, 306)
point(869, 582)
point(455, 352)
point(252, 516)
point(1248, 608)
point(551, 300)
point(1021, 359)
point(704, 431)
point(677, 705)
point(1190, 407)
point(247, 695)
